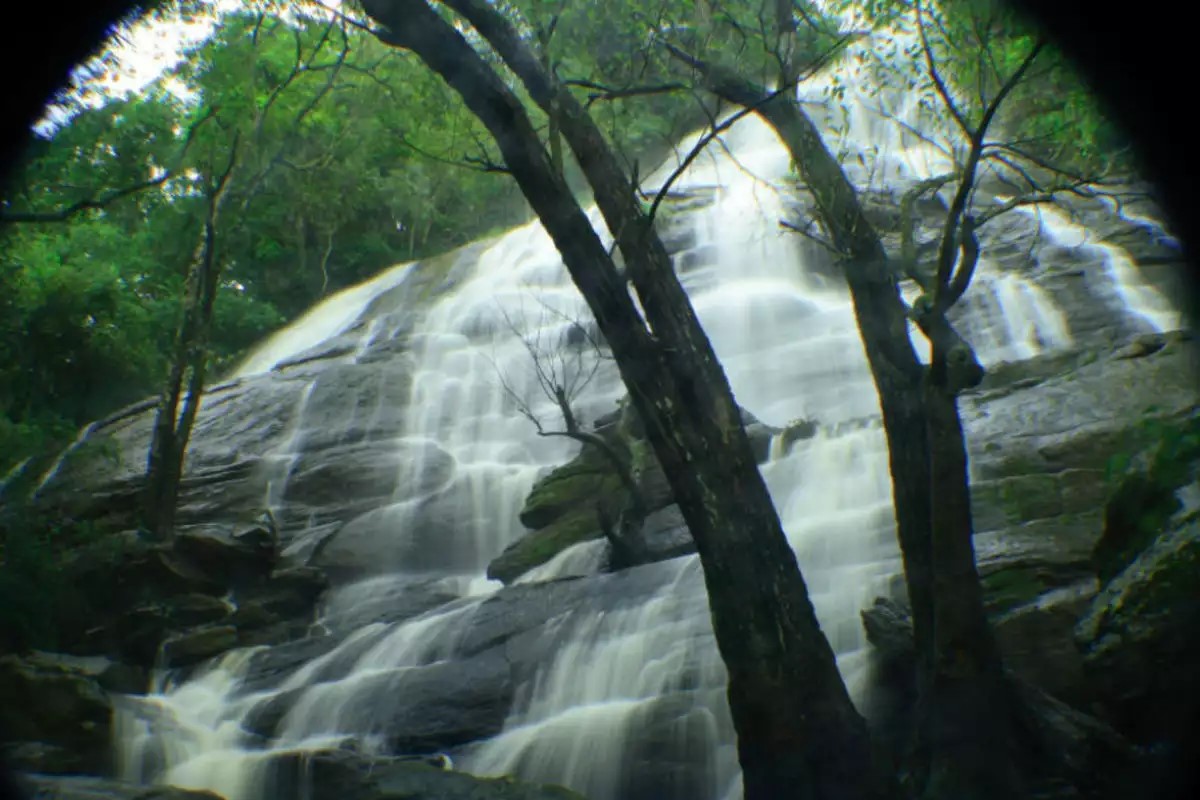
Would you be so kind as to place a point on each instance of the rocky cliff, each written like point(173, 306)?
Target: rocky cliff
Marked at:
point(357, 494)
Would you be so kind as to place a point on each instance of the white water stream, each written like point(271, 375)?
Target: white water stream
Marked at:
point(619, 675)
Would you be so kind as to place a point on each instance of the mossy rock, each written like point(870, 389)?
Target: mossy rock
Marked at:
point(538, 547)
point(1133, 518)
point(1013, 586)
point(1139, 641)
point(1029, 497)
point(582, 482)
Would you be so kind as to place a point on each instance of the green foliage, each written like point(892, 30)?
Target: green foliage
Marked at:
point(1052, 113)
point(351, 161)
point(33, 589)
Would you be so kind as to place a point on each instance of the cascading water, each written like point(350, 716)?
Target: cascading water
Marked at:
point(627, 698)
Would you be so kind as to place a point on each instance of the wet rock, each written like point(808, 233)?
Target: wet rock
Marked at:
point(229, 556)
point(1069, 416)
point(263, 719)
point(539, 546)
point(192, 647)
point(342, 775)
point(385, 599)
point(664, 534)
point(1019, 583)
point(59, 706)
point(305, 582)
point(517, 616)
point(288, 596)
point(124, 678)
point(563, 507)
point(196, 609)
point(438, 707)
point(422, 709)
point(112, 676)
point(43, 787)
point(660, 754)
point(268, 666)
point(271, 634)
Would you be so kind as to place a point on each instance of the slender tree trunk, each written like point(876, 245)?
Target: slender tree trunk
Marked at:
point(798, 734)
point(163, 463)
point(172, 426)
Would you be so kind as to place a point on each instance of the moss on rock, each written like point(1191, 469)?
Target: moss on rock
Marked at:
point(585, 480)
point(1013, 586)
point(538, 547)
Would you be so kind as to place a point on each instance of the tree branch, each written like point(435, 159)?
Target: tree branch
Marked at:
point(107, 198)
point(946, 252)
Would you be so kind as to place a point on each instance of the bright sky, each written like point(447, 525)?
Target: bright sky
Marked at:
point(151, 47)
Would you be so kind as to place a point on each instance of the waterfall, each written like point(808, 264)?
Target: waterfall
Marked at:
point(627, 698)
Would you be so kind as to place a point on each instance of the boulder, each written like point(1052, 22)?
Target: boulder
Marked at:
point(562, 508)
point(199, 644)
point(41, 758)
point(59, 706)
point(539, 546)
point(284, 602)
point(196, 609)
point(422, 709)
point(583, 482)
point(227, 555)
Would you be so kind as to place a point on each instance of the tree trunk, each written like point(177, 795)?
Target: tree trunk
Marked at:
point(964, 740)
point(173, 427)
point(971, 714)
point(798, 734)
point(883, 324)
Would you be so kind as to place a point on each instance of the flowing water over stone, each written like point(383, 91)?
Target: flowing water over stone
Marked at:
point(401, 459)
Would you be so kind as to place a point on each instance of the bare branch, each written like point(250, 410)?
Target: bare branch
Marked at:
point(967, 262)
point(946, 256)
point(605, 92)
point(807, 233)
point(942, 90)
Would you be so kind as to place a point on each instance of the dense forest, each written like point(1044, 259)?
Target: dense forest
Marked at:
point(151, 238)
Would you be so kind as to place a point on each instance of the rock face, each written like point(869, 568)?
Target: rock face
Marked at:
point(382, 516)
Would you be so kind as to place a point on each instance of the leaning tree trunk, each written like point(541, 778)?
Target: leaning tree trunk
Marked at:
point(964, 744)
point(798, 733)
point(883, 324)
